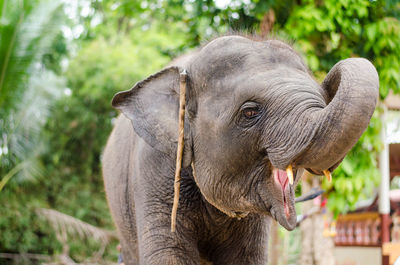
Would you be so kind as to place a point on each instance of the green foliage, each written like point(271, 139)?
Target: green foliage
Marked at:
point(27, 89)
point(27, 29)
point(21, 231)
point(340, 29)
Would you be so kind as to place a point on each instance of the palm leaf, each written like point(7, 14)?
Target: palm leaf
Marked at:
point(66, 224)
point(27, 30)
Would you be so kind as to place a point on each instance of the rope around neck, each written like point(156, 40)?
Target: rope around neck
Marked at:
point(179, 152)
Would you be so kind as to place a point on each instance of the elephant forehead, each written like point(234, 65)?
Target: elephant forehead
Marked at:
point(234, 54)
point(234, 89)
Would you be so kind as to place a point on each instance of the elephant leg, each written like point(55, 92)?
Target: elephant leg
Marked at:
point(129, 252)
point(126, 226)
point(122, 207)
point(118, 183)
point(158, 245)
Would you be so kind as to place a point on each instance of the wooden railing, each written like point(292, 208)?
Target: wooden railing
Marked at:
point(358, 229)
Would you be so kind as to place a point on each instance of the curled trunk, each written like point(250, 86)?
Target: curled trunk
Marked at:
point(352, 89)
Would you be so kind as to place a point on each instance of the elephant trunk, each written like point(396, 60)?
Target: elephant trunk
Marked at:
point(352, 89)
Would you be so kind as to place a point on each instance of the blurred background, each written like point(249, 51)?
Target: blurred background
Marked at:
point(61, 61)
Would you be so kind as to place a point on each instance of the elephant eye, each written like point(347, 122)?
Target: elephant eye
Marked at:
point(251, 112)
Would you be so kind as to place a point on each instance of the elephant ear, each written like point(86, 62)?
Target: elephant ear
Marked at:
point(153, 106)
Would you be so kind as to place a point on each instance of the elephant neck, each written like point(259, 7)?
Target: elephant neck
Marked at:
point(211, 206)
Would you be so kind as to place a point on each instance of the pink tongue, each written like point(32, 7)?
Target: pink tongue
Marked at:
point(281, 177)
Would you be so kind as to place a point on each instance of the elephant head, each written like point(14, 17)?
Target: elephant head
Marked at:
point(254, 115)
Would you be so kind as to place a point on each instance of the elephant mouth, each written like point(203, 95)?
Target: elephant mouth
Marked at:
point(285, 181)
point(283, 210)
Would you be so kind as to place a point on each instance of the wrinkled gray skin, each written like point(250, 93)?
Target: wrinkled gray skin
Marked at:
point(291, 119)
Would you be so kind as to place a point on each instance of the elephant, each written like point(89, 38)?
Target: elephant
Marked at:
point(255, 120)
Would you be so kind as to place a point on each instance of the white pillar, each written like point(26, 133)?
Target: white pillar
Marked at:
point(384, 201)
